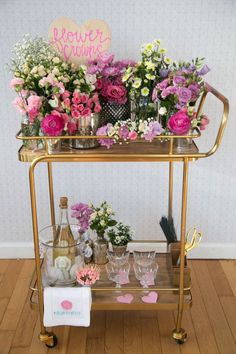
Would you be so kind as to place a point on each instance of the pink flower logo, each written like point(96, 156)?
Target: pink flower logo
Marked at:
point(66, 305)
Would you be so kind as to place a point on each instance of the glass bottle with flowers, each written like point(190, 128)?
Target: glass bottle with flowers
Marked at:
point(141, 79)
point(112, 92)
point(100, 221)
point(119, 237)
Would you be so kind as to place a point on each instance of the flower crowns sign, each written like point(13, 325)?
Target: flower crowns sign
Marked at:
point(77, 44)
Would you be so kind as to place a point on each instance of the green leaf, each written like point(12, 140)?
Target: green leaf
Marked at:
point(112, 223)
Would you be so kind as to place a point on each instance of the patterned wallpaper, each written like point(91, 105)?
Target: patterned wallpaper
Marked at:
point(138, 192)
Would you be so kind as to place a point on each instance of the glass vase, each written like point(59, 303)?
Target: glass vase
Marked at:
point(143, 108)
point(53, 145)
point(100, 249)
point(87, 125)
point(28, 130)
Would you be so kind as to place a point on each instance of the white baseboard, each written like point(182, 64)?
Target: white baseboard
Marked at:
point(204, 250)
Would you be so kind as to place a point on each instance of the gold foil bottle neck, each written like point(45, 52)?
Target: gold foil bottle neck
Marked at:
point(63, 203)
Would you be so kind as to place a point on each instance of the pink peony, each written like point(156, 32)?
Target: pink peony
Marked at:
point(52, 125)
point(16, 82)
point(117, 94)
point(179, 123)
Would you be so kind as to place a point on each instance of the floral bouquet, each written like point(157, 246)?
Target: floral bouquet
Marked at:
point(120, 235)
point(177, 94)
point(141, 79)
point(51, 92)
point(102, 218)
point(129, 131)
point(88, 275)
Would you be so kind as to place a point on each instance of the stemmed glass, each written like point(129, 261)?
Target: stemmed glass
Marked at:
point(145, 267)
point(118, 273)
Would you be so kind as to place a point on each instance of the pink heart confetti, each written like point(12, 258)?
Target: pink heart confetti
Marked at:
point(151, 298)
point(123, 277)
point(148, 279)
point(125, 299)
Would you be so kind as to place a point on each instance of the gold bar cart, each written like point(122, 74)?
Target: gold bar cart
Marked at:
point(162, 149)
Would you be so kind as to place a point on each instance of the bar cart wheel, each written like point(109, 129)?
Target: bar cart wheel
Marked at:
point(180, 337)
point(49, 338)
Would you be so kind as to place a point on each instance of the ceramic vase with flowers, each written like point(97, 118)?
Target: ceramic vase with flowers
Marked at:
point(119, 237)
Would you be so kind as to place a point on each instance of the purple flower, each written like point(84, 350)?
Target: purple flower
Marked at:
point(123, 132)
point(110, 71)
point(163, 84)
point(170, 90)
point(82, 213)
point(93, 69)
point(179, 80)
point(104, 131)
point(195, 89)
point(154, 129)
point(106, 58)
point(203, 71)
point(184, 94)
point(164, 73)
point(123, 64)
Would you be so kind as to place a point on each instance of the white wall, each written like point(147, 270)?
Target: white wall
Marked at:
point(138, 192)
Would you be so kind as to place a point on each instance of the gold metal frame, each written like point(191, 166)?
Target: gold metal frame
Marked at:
point(100, 155)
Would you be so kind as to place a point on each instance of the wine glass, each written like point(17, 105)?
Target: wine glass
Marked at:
point(145, 272)
point(118, 259)
point(118, 273)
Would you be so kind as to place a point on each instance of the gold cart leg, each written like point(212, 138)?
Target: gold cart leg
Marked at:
point(51, 195)
point(179, 334)
point(170, 204)
point(48, 338)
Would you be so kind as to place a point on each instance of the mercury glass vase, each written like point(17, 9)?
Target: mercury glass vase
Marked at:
point(87, 125)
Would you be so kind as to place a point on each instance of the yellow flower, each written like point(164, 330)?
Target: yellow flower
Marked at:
point(150, 65)
point(149, 47)
point(157, 41)
point(145, 91)
point(162, 50)
point(150, 76)
point(137, 83)
point(167, 60)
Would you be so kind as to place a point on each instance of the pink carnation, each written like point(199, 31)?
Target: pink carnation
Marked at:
point(52, 125)
point(179, 123)
point(17, 81)
point(20, 105)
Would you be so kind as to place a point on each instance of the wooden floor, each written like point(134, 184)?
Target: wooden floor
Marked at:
point(211, 324)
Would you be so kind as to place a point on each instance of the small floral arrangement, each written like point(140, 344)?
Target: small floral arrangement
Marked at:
point(88, 275)
point(129, 130)
point(109, 73)
point(82, 212)
point(177, 94)
point(101, 218)
point(49, 89)
point(120, 235)
point(141, 79)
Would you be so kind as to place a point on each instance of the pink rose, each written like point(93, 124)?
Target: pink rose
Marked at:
point(117, 94)
point(52, 125)
point(179, 123)
point(75, 114)
point(65, 94)
point(86, 112)
point(97, 108)
point(72, 128)
point(80, 107)
point(132, 135)
point(84, 98)
point(16, 82)
point(32, 113)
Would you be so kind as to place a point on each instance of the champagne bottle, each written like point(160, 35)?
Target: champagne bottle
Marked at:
point(64, 242)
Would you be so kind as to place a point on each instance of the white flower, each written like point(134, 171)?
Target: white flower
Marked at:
point(100, 213)
point(84, 68)
point(56, 60)
point(141, 127)
point(93, 216)
point(102, 222)
point(167, 60)
point(126, 76)
point(109, 210)
point(137, 83)
point(162, 111)
point(150, 65)
point(90, 79)
point(55, 71)
point(150, 76)
point(149, 47)
point(34, 70)
point(76, 82)
point(145, 91)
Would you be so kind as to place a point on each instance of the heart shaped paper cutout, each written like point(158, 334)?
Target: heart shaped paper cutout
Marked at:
point(78, 44)
point(151, 298)
point(125, 299)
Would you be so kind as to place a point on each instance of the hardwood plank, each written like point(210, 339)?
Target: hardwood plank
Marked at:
point(16, 303)
point(3, 305)
point(77, 340)
point(150, 333)
point(5, 341)
point(166, 325)
point(114, 335)
point(219, 279)
point(3, 265)
point(230, 271)
point(132, 332)
point(10, 278)
point(229, 306)
point(36, 345)
point(224, 339)
point(62, 333)
point(201, 322)
point(19, 350)
point(191, 346)
point(96, 333)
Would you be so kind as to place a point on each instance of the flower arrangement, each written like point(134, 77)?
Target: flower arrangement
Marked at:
point(102, 218)
point(120, 235)
point(82, 213)
point(177, 94)
point(141, 79)
point(109, 73)
point(88, 275)
point(129, 130)
point(49, 89)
